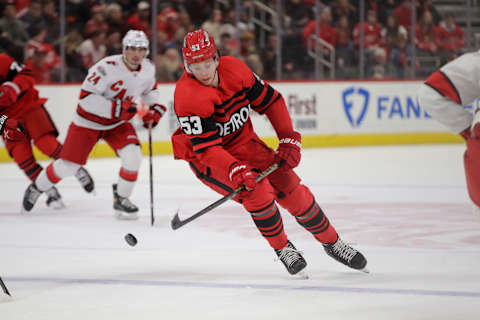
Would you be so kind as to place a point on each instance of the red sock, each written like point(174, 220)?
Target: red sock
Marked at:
point(23, 156)
point(49, 145)
point(269, 222)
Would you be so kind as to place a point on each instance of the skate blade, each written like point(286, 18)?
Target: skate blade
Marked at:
point(120, 215)
point(364, 270)
point(57, 205)
point(302, 275)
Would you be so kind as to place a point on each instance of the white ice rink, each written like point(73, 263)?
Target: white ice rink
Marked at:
point(405, 207)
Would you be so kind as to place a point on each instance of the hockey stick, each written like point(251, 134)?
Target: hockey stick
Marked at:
point(152, 217)
point(4, 287)
point(177, 223)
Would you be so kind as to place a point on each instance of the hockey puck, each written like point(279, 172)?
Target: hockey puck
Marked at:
point(131, 240)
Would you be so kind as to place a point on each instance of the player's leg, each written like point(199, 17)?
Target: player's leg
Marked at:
point(300, 202)
point(44, 134)
point(263, 210)
point(123, 139)
point(78, 144)
point(471, 159)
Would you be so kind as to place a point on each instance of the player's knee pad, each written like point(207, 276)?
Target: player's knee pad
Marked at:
point(258, 198)
point(297, 201)
point(131, 157)
point(471, 160)
point(49, 145)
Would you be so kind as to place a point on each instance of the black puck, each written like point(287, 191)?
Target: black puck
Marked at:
point(131, 240)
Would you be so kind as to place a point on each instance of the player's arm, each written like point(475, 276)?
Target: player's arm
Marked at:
point(266, 100)
point(94, 106)
point(18, 79)
point(156, 110)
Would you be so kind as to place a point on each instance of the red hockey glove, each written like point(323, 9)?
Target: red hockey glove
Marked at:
point(153, 115)
point(8, 93)
point(11, 129)
point(288, 152)
point(124, 109)
point(242, 175)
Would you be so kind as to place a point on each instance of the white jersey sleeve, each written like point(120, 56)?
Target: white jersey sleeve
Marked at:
point(445, 93)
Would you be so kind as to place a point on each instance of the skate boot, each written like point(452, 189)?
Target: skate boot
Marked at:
point(30, 197)
point(345, 254)
point(124, 208)
point(291, 258)
point(85, 180)
point(54, 199)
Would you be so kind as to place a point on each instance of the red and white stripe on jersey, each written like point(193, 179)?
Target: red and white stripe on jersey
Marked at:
point(440, 82)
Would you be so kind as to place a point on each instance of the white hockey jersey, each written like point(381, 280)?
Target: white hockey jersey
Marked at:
point(108, 80)
point(447, 91)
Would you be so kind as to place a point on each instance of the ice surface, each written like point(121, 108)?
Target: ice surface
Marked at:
point(405, 207)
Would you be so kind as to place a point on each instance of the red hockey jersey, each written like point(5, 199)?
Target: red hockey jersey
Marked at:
point(11, 70)
point(218, 117)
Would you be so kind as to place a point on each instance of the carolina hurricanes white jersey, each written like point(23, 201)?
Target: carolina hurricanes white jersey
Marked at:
point(108, 80)
point(447, 91)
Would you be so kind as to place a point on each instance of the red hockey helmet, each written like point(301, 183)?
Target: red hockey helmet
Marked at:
point(198, 46)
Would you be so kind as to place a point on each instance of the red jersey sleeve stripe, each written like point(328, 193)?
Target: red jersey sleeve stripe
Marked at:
point(84, 93)
point(443, 85)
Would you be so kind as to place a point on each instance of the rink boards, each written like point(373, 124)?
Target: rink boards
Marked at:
point(327, 113)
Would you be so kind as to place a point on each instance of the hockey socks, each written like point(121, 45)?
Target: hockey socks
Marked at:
point(314, 220)
point(23, 156)
point(269, 222)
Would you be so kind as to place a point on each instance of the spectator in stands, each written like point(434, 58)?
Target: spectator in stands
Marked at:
point(392, 32)
point(114, 19)
point(449, 38)
point(33, 16)
point(403, 12)
point(75, 71)
point(226, 45)
point(427, 5)
point(290, 67)
point(43, 58)
point(184, 23)
point(425, 35)
point(92, 49)
point(113, 42)
point(374, 52)
point(167, 22)
point(326, 31)
point(169, 66)
point(11, 27)
point(344, 48)
point(300, 14)
point(249, 54)
point(141, 19)
point(52, 21)
point(198, 10)
point(96, 22)
point(344, 8)
point(243, 23)
point(400, 55)
point(386, 8)
point(44, 63)
point(213, 24)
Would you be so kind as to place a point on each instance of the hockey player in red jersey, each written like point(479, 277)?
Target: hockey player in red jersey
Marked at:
point(19, 101)
point(217, 139)
point(105, 106)
point(444, 95)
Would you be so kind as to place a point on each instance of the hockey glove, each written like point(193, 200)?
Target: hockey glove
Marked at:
point(153, 115)
point(124, 109)
point(242, 175)
point(11, 129)
point(8, 93)
point(288, 152)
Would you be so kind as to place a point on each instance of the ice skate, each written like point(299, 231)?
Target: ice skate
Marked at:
point(86, 180)
point(124, 208)
point(347, 255)
point(292, 259)
point(30, 197)
point(54, 199)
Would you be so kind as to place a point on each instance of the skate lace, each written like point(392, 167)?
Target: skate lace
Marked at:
point(344, 251)
point(289, 255)
point(127, 203)
point(82, 176)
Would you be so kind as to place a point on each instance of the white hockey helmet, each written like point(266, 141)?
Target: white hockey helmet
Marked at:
point(135, 38)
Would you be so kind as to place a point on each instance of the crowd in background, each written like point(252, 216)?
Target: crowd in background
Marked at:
point(94, 29)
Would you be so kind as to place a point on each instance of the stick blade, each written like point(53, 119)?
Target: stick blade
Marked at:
point(175, 223)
